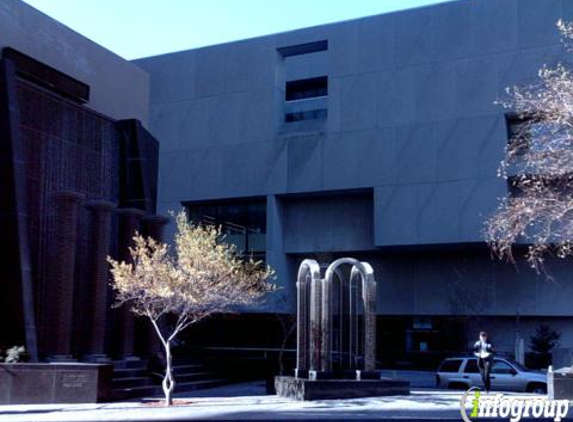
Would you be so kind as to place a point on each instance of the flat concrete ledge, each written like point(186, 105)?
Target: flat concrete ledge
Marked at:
point(36, 383)
point(324, 389)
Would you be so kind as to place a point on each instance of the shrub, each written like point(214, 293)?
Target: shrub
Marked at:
point(15, 354)
point(544, 339)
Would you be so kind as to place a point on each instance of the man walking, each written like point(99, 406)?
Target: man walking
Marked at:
point(484, 350)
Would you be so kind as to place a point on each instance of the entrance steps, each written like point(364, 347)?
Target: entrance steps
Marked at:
point(135, 379)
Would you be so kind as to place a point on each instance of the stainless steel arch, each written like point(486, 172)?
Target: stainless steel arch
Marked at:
point(315, 314)
point(369, 302)
point(308, 276)
point(364, 271)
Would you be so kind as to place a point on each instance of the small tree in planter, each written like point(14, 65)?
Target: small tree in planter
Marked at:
point(199, 276)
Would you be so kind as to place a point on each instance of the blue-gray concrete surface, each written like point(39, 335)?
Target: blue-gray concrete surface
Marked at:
point(406, 159)
point(118, 88)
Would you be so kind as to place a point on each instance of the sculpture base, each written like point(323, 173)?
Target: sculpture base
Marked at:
point(324, 389)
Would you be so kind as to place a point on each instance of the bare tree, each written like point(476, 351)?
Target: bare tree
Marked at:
point(539, 166)
point(199, 276)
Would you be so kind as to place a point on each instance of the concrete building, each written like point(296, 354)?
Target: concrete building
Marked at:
point(376, 138)
point(79, 176)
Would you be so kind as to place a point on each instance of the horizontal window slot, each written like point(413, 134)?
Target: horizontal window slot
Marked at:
point(307, 48)
point(306, 88)
point(306, 115)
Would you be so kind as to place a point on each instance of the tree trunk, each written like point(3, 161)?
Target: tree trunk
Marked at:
point(168, 381)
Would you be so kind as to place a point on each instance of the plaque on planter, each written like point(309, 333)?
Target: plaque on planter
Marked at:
point(28, 383)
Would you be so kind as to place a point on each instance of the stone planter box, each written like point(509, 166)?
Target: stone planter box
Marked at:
point(324, 389)
point(33, 383)
point(560, 384)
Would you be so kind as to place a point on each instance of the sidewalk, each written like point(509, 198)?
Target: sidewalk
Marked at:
point(246, 402)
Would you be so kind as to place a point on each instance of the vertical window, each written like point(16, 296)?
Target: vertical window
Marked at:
point(304, 99)
point(305, 83)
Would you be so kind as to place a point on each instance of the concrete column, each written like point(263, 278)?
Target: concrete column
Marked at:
point(60, 293)
point(100, 215)
point(152, 226)
point(292, 297)
point(129, 224)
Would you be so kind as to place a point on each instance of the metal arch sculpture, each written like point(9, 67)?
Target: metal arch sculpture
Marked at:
point(338, 304)
point(315, 328)
point(308, 276)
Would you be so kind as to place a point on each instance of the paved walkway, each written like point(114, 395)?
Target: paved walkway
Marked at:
point(246, 402)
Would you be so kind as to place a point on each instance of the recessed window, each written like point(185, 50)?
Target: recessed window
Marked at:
point(518, 134)
point(243, 222)
point(305, 83)
point(306, 88)
point(531, 134)
point(305, 115)
point(306, 48)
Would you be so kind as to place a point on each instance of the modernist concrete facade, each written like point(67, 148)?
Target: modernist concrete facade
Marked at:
point(79, 177)
point(118, 88)
point(393, 158)
point(376, 138)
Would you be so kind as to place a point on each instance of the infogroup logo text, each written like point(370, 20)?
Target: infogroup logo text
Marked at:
point(513, 408)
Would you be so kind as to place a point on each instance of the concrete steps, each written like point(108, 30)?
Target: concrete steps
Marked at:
point(128, 382)
point(134, 380)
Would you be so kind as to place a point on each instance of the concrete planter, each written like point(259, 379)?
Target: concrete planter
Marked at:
point(560, 384)
point(33, 383)
point(324, 389)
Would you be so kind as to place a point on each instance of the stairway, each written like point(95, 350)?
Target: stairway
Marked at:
point(133, 379)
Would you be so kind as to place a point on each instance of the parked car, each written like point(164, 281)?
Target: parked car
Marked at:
point(506, 375)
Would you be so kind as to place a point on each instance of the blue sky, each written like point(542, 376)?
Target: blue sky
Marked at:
point(139, 28)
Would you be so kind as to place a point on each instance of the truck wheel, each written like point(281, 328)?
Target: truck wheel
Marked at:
point(537, 388)
point(457, 386)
